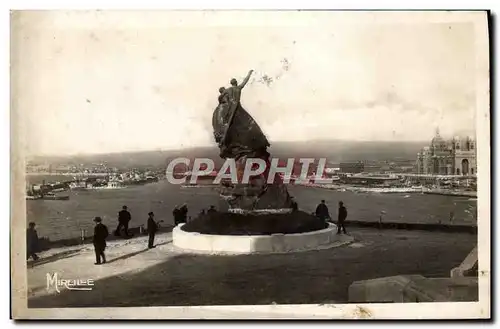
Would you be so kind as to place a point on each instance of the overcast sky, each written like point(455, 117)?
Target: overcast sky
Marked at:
point(96, 83)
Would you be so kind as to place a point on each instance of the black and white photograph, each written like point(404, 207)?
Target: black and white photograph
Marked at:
point(250, 164)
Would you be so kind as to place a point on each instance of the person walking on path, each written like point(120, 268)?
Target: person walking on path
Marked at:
point(124, 218)
point(152, 229)
point(342, 217)
point(99, 241)
point(31, 242)
point(322, 211)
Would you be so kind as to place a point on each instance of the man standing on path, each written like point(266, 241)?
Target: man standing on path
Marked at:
point(452, 216)
point(124, 218)
point(32, 242)
point(342, 218)
point(177, 215)
point(99, 240)
point(184, 213)
point(152, 229)
point(295, 205)
point(322, 211)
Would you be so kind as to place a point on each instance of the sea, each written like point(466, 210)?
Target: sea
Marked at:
point(68, 218)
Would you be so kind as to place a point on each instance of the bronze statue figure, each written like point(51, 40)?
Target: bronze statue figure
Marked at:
point(235, 131)
point(239, 137)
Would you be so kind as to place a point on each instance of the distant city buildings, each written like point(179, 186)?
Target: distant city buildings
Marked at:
point(448, 157)
point(37, 168)
point(352, 167)
point(94, 168)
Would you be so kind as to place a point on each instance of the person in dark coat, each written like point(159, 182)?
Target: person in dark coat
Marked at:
point(152, 229)
point(177, 215)
point(124, 218)
point(322, 211)
point(295, 205)
point(31, 242)
point(342, 217)
point(184, 213)
point(99, 240)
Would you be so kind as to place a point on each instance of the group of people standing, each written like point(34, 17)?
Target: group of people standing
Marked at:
point(100, 235)
point(180, 214)
point(210, 211)
point(323, 213)
point(124, 218)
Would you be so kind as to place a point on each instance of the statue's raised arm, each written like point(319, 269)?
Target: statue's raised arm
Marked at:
point(245, 81)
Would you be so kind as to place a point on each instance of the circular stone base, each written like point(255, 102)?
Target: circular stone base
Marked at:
point(277, 233)
point(261, 244)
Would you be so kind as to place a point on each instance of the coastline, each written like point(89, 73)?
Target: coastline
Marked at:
point(423, 190)
point(336, 187)
point(359, 189)
point(66, 174)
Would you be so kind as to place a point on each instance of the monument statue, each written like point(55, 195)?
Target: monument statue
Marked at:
point(239, 137)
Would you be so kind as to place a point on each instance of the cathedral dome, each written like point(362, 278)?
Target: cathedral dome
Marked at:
point(438, 141)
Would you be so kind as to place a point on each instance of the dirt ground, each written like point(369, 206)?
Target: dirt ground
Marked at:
point(309, 277)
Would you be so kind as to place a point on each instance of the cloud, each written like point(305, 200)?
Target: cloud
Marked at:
point(156, 86)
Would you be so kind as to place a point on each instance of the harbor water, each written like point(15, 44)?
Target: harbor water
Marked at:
point(66, 219)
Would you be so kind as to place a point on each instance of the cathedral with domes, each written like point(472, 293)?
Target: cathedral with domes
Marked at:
point(448, 157)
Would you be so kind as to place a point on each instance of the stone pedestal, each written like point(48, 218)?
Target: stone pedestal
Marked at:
point(461, 286)
point(468, 267)
point(414, 289)
point(256, 195)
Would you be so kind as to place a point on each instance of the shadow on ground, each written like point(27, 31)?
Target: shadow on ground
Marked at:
point(136, 253)
point(309, 277)
point(53, 258)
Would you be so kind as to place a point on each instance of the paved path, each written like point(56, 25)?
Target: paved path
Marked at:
point(165, 276)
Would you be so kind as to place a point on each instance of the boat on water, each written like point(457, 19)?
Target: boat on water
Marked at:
point(112, 185)
point(78, 186)
point(52, 196)
point(107, 187)
point(358, 189)
point(59, 190)
point(33, 197)
point(47, 196)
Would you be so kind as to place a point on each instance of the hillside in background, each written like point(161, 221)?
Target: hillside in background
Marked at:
point(334, 151)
